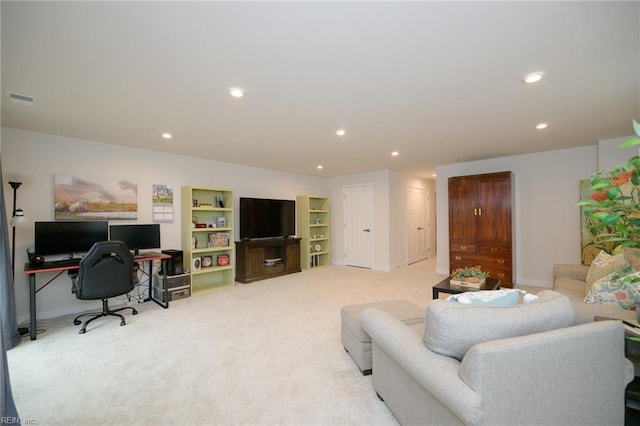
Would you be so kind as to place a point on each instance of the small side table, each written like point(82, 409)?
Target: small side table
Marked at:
point(445, 286)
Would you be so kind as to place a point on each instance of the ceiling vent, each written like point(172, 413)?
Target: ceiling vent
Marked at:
point(18, 98)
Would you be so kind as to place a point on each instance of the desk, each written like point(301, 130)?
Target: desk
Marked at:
point(32, 271)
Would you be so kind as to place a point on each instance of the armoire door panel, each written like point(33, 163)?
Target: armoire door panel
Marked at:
point(495, 217)
point(462, 210)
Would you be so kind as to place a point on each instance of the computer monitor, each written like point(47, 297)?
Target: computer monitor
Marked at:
point(70, 237)
point(137, 237)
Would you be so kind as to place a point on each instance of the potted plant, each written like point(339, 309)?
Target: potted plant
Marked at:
point(613, 208)
point(472, 276)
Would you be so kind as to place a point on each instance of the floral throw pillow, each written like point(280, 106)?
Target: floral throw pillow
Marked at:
point(604, 264)
point(619, 288)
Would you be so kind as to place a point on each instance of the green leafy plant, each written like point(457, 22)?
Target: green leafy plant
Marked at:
point(613, 208)
point(463, 274)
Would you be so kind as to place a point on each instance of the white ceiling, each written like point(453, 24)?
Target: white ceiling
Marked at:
point(437, 81)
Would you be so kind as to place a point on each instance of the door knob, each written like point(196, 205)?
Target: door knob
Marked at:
point(367, 230)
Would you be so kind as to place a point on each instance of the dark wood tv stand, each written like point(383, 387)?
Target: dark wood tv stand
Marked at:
point(256, 259)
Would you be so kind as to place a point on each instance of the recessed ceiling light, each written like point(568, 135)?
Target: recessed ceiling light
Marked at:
point(341, 132)
point(395, 153)
point(167, 135)
point(533, 77)
point(541, 126)
point(319, 167)
point(236, 92)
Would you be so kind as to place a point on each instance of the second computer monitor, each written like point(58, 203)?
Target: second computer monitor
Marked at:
point(137, 237)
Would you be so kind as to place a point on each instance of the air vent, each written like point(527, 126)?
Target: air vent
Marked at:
point(18, 98)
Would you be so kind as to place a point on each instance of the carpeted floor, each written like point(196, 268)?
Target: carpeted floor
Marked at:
point(266, 353)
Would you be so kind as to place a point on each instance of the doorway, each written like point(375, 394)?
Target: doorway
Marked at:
point(417, 224)
point(358, 225)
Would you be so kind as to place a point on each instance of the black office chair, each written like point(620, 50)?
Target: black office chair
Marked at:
point(106, 271)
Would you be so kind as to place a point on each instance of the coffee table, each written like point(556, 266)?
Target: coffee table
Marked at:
point(445, 286)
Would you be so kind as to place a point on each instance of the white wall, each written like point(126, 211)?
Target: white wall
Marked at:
point(36, 157)
point(610, 154)
point(547, 218)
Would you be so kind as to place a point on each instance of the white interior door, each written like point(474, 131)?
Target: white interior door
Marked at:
point(358, 230)
point(417, 224)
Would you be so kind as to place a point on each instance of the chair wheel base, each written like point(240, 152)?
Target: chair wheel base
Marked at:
point(82, 331)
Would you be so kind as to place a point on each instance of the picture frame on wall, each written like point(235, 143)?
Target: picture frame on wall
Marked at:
point(74, 198)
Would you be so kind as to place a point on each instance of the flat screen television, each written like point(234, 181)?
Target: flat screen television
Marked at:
point(267, 218)
point(69, 237)
point(137, 237)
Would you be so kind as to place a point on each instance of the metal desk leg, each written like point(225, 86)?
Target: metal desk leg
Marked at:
point(163, 266)
point(32, 306)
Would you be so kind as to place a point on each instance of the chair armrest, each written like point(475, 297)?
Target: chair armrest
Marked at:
point(577, 272)
point(548, 368)
point(437, 374)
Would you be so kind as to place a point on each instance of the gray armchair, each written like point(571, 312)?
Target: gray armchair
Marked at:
point(521, 365)
point(106, 271)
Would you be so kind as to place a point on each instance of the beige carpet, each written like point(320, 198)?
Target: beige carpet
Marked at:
point(266, 353)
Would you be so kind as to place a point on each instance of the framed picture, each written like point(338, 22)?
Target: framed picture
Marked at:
point(196, 263)
point(78, 197)
point(219, 239)
point(207, 261)
point(223, 259)
point(222, 222)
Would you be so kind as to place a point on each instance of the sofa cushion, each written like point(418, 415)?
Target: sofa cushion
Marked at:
point(451, 328)
point(604, 264)
point(504, 297)
point(570, 287)
point(619, 288)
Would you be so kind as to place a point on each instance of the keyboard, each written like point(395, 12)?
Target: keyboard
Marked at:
point(62, 263)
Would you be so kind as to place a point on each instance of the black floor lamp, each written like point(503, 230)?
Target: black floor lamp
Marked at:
point(17, 219)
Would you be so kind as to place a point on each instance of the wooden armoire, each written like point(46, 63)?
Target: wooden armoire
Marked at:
point(481, 224)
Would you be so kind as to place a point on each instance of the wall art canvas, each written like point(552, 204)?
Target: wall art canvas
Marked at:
point(94, 198)
point(162, 199)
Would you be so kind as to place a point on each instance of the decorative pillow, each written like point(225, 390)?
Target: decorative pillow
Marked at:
point(619, 288)
point(632, 255)
point(507, 297)
point(451, 329)
point(603, 265)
